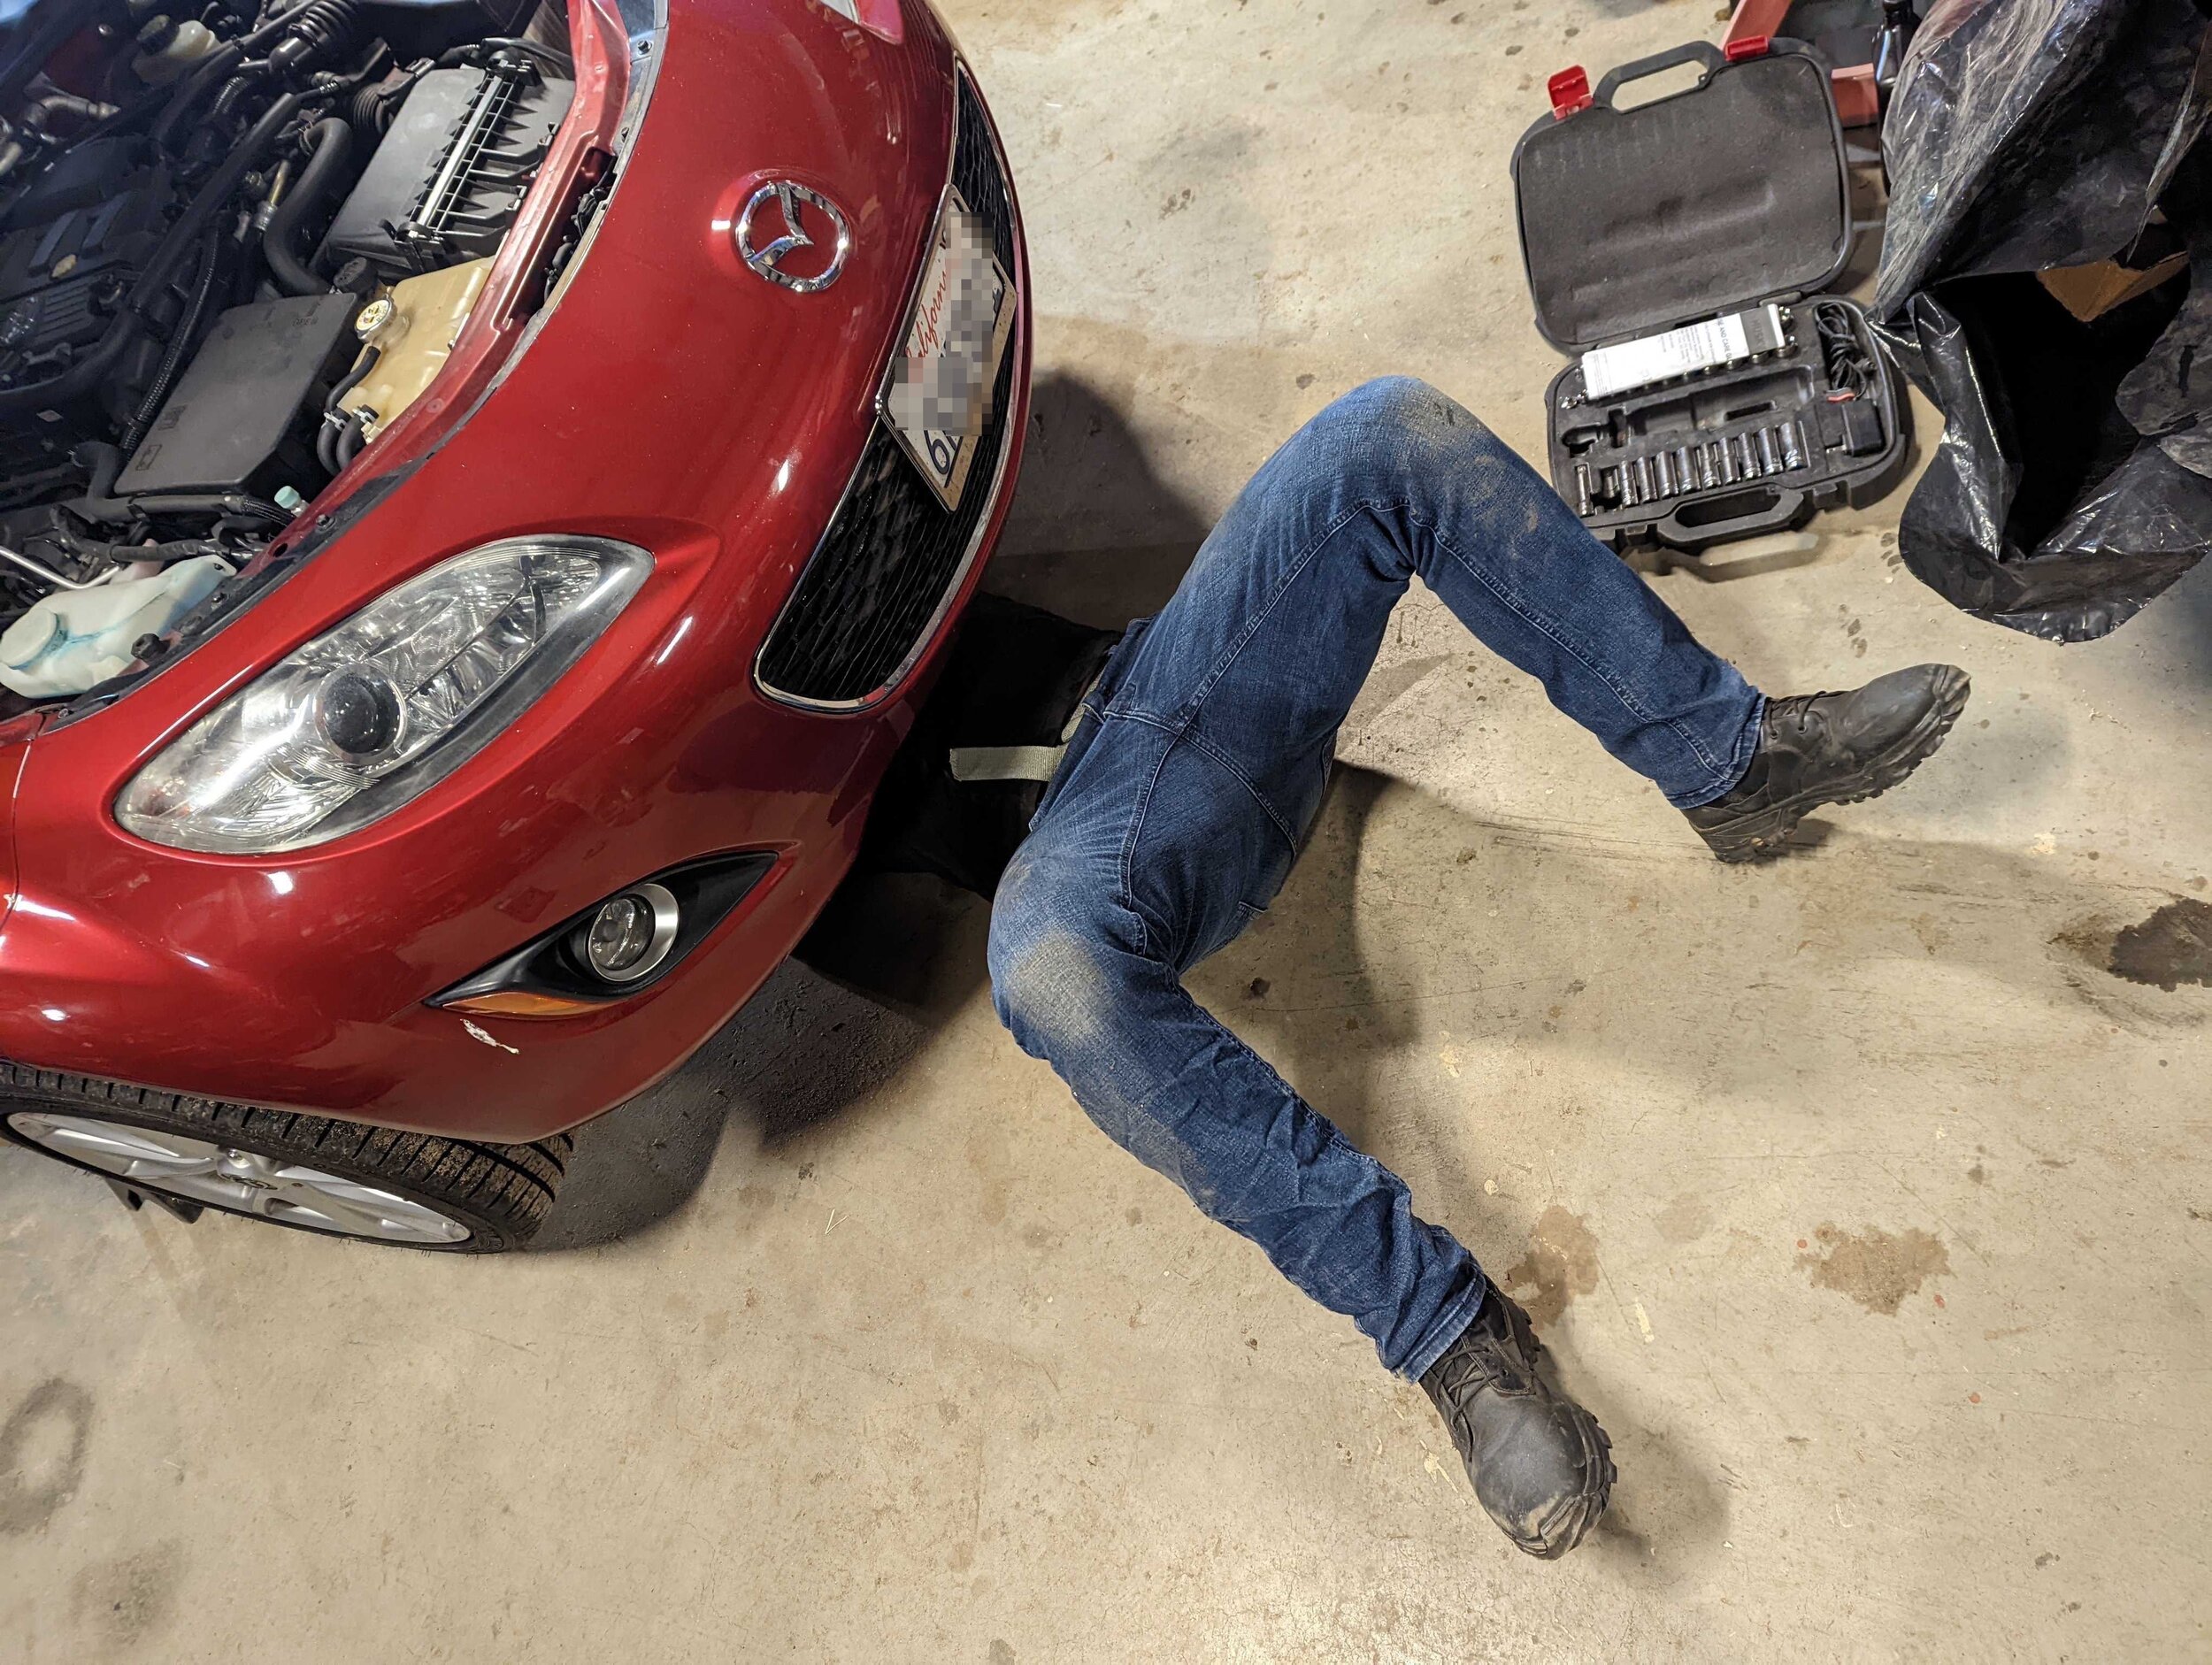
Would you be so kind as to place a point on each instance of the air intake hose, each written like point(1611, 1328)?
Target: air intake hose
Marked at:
point(319, 32)
point(330, 142)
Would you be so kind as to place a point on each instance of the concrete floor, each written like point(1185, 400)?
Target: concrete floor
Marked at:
point(1867, 1208)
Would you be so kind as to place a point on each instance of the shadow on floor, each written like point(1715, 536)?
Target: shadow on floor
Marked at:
point(1094, 535)
point(2183, 619)
point(800, 1052)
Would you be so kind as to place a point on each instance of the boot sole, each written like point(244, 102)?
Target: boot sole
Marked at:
point(1578, 1515)
point(1764, 836)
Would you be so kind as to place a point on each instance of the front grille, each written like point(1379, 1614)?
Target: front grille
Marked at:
point(875, 582)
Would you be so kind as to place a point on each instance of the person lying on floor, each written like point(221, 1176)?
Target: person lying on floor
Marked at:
point(1191, 771)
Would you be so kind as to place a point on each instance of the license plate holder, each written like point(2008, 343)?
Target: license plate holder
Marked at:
point(937, 399)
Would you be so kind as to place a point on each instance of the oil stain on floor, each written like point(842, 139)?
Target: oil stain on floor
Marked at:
point(2173, 947)
point(1562, 1262)
point(1875, 1269)
point(43, 1454)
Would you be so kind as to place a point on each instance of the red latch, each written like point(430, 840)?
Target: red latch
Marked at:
point(1570, 90)
point(1750, 46)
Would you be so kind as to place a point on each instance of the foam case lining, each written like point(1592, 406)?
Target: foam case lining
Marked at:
point(1722, 198)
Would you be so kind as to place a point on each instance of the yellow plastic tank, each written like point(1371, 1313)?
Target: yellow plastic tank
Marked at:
point(412, 325)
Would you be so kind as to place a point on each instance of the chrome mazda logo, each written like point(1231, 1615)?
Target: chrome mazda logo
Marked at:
point(774, 252)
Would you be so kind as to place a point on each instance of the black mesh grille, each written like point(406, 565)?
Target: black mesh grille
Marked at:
point(975, 175)
point(877, 577)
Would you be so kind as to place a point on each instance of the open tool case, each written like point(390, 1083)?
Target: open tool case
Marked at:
point(1717, 200)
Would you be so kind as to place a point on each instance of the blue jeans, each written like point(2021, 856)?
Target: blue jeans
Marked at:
point(1200, 757)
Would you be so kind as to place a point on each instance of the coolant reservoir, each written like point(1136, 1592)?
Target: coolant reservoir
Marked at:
point(413, 329)
point(171, 48)
point(75, 639)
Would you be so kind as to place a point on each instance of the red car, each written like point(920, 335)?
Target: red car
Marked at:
point(550, 453)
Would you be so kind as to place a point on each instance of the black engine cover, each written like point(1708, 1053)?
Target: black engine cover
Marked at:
point(233, 422)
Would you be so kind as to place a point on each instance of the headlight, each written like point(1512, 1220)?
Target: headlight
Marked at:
point(366, 716)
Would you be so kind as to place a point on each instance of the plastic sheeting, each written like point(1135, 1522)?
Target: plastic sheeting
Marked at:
point(2073, 482)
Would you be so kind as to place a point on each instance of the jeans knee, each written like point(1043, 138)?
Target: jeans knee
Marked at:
point(1409, 407)
point(1400, 427)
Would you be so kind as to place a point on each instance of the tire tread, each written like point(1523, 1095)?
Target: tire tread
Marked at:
point(510, 1186)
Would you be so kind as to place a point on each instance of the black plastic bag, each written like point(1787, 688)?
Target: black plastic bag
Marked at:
point(2073, 482)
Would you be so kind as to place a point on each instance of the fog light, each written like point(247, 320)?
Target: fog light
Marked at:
point(629, 935)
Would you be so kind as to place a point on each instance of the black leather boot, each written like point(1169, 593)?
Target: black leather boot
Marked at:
point(1817, 749)
point(1538, 1460)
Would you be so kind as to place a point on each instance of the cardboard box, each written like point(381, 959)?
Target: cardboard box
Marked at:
point(2089, 292)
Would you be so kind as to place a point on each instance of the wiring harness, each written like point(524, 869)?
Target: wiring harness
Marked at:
point(1850, 371)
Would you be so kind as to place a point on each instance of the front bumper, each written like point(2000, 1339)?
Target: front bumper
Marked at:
point(299, 981)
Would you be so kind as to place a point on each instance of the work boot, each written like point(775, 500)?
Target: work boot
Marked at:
point(1817, 749)
point(1538, 1460)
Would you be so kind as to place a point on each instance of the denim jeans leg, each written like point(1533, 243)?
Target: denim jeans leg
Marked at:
point(1180, 808)
point(1086, 983)
point(1275, 626)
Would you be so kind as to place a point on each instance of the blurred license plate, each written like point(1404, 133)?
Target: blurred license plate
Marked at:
point(939, 400)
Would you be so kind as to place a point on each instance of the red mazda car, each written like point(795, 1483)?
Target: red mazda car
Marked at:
point(482, 487)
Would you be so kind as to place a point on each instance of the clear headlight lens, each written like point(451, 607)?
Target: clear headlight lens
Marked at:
point(366, 716)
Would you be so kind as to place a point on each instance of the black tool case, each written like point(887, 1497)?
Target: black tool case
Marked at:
point(1715, 200)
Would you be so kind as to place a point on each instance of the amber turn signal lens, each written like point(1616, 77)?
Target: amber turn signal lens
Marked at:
point(519, 1002)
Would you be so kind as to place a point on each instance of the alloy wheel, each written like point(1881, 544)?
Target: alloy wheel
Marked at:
point(244, 1181)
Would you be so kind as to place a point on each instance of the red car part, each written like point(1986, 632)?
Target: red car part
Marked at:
point(669, 399)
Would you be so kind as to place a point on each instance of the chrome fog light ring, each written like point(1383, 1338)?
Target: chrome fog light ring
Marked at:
point(629, 935)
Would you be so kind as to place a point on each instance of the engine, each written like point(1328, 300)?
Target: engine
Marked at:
point(233, 245)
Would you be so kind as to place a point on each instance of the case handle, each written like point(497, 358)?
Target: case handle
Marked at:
point(1789, 507)
point(1689, 52)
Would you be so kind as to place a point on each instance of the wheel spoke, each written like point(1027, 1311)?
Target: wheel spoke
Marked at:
point(241, 1180)
point(363, 1210)
point(118, 1148)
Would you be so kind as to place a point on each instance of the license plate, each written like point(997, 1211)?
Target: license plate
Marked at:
point(938, 402)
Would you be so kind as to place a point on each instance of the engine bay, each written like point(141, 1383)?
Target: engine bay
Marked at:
point(235, 244)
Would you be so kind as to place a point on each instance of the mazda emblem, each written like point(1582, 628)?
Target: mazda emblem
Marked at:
point(774, 253)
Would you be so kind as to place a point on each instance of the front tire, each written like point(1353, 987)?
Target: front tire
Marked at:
point(311, 1173)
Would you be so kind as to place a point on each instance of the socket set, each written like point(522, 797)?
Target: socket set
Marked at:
point(1680, 250)
point(1684, 470)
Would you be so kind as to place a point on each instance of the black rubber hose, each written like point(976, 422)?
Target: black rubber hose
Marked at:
point(278, 24)
point(181, 341)
point(98, 503)
point(351, 438)
point(332, 424)
point(213, 196)
point(549, 58)
point(315, 31)
point(354, 377)
point(331, 140)
point(180, 549)
point(219, 65)
point(216, 67)
point(210, 503)
point(193, 85)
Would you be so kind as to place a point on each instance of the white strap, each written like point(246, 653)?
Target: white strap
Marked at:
point(1006, 763)
point(1021, 763)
